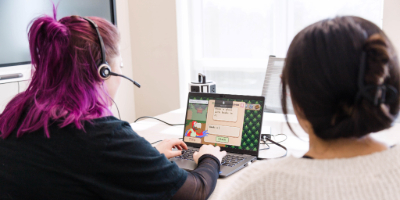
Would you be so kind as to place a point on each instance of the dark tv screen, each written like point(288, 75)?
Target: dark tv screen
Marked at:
point(16, 16)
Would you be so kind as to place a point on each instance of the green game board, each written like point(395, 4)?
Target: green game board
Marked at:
point(251, 126)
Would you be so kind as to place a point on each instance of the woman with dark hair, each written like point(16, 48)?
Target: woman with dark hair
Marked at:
point(343, 77)
point(59, 139)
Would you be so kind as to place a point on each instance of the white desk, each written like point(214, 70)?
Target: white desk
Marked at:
point(153, 130)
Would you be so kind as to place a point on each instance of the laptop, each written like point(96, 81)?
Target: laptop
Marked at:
point(232, 122)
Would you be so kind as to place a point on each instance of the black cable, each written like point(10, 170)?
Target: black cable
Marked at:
point(134, 82)
point(116, 107)
point(279, 141)
point(156, 142)
point(158, 120)
point(112, 101)
point(268, 147)
point(273, 142)
point(162, 140)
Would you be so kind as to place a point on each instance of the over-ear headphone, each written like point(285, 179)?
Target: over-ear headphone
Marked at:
point(104, 69)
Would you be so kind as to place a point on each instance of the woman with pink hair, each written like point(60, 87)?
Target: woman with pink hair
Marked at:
point(60, 140)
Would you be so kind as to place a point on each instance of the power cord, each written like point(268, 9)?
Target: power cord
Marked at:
point(144, 117)
point(162, 140)
point(116, 107)
point(275, 136)
point(267, 137)
point(119, 116)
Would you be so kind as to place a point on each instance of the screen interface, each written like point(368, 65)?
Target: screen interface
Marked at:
point(16, 16)
point(231, 123)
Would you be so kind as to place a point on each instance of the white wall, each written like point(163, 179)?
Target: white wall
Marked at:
point(125, 96)
point(154, 51)
point(149, 51)
point(154, 55)
point(391, 21)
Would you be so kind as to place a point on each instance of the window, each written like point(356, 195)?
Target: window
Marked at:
point(230, 40)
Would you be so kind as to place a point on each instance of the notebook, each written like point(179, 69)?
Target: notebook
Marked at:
point(232, 122)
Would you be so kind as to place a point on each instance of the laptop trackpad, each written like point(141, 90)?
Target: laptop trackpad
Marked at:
point(185, 164)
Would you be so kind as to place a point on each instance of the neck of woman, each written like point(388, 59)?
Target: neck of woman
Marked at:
point(343, 147)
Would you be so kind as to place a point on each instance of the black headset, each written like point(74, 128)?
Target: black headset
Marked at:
point(104, 69)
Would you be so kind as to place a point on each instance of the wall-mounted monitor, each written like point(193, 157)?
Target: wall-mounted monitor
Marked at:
point(16, 16)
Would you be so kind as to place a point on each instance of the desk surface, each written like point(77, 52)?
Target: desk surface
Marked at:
point(153, 130)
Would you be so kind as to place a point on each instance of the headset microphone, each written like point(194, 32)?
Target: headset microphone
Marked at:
point(134, 82)
point(104, 69)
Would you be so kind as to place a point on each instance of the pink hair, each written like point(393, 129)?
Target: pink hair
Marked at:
point(65, 86)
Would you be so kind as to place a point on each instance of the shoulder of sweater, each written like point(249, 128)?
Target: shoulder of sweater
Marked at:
point(267, 166)
point(104, 128)
point(375, 163)
point(259, 169)
point(250, 177)
point(109, 123)
point(263, 173)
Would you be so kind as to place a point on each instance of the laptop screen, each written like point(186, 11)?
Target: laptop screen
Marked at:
point(232, 122)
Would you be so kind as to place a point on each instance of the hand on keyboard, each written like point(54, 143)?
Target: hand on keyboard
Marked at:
point(166, 146)
point(209, 149)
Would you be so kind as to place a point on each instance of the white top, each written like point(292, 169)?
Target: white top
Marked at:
point(374, 176)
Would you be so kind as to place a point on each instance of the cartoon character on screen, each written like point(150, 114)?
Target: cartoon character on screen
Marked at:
point(195, 132)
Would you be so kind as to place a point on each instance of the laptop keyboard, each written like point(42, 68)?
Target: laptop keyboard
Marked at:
point(231, 160)
point(187, 154)
point(228, 160)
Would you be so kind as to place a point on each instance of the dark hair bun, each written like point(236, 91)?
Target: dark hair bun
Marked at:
point(364, 117)
point(377, 69)
point(343, 74)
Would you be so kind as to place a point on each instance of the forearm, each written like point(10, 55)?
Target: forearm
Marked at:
point(201, 182)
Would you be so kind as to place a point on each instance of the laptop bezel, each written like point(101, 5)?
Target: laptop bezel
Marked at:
point(229, 96)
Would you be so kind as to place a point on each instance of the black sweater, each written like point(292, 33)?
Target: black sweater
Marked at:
point(106, 160)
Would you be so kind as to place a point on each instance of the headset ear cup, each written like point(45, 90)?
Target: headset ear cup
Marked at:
point(104, 71)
